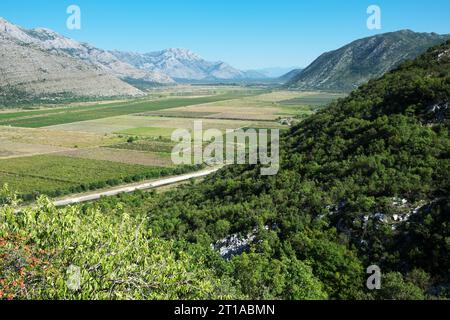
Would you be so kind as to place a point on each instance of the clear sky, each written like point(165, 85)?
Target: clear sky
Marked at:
point(245, 33)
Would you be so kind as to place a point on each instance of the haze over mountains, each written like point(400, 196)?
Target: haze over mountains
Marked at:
point(356, 63)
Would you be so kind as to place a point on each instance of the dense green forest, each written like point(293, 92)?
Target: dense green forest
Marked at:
point(363, 182)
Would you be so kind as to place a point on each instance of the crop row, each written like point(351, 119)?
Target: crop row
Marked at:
point(58, 175)
point(69, 115)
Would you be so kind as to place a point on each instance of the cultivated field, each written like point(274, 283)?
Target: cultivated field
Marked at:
point(57, 175)
point(146, 125)
point(41, 118)
point(268, 107)
point(145, 158)
point(62, 150)
point(311, 98)
point(66, 139)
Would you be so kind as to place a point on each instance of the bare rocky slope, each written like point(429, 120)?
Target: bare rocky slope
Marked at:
point(32, 67)
point(56, 43)
point(358, 62)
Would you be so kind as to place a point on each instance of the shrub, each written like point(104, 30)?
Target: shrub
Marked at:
point(116, 255)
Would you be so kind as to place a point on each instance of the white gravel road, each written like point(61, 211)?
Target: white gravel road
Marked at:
point(128, 189)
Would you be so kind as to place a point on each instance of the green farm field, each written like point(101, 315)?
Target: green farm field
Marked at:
point(58, 175)
point(149, 145)
point(263, 107)
point(149, 132)
point(156, 158)
point(41, 118)
point(158, 125)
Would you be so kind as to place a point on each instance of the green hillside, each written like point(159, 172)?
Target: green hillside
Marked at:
point(364, 181)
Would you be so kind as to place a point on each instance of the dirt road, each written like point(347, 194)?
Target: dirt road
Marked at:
point(131, 188)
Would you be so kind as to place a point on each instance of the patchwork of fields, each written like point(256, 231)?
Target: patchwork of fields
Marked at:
point(143, 125)
point(263, 107)
point(67, 115)
point(56, 151)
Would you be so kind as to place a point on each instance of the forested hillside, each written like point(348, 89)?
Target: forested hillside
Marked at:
point(364, 181)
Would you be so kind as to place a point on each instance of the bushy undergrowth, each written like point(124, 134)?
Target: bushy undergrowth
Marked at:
point(117, 257)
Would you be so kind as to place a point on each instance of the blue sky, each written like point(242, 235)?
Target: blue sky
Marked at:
point(245, 33)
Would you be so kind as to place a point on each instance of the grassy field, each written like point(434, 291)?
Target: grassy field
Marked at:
point(67, 115)
point(149, 132)
point(64, 138)
point(163, 146)
point(268, 107)
point(43, 111)
point(121, 124)
point(58, 175)
point(155, 158)
point(21, 142)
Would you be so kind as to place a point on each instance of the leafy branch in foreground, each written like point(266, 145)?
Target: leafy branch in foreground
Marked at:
point(117, 257)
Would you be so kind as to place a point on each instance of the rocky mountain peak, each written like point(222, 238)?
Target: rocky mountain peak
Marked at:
point(47, 31)
point(10, 30)
point(182, 53)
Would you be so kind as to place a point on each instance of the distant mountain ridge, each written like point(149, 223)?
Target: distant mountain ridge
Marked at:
point(275, 72)
point(346, 68)
point(42, 65)
point(184, 64)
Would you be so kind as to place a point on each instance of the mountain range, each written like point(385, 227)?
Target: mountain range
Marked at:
point(41, 64)
point(356, 63)
point(183, 64)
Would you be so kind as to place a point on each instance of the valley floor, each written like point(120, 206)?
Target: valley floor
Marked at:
point(77, 148)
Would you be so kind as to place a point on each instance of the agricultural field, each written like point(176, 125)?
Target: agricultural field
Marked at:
point(65, 139)
point(150, 145)
point(10, 149)
point(57, 175)
point(18, 142)
point(41, 118)
point(62, 150)
point(122, 155)
point(194, 91)
point(264, 107)
point(146, 125)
